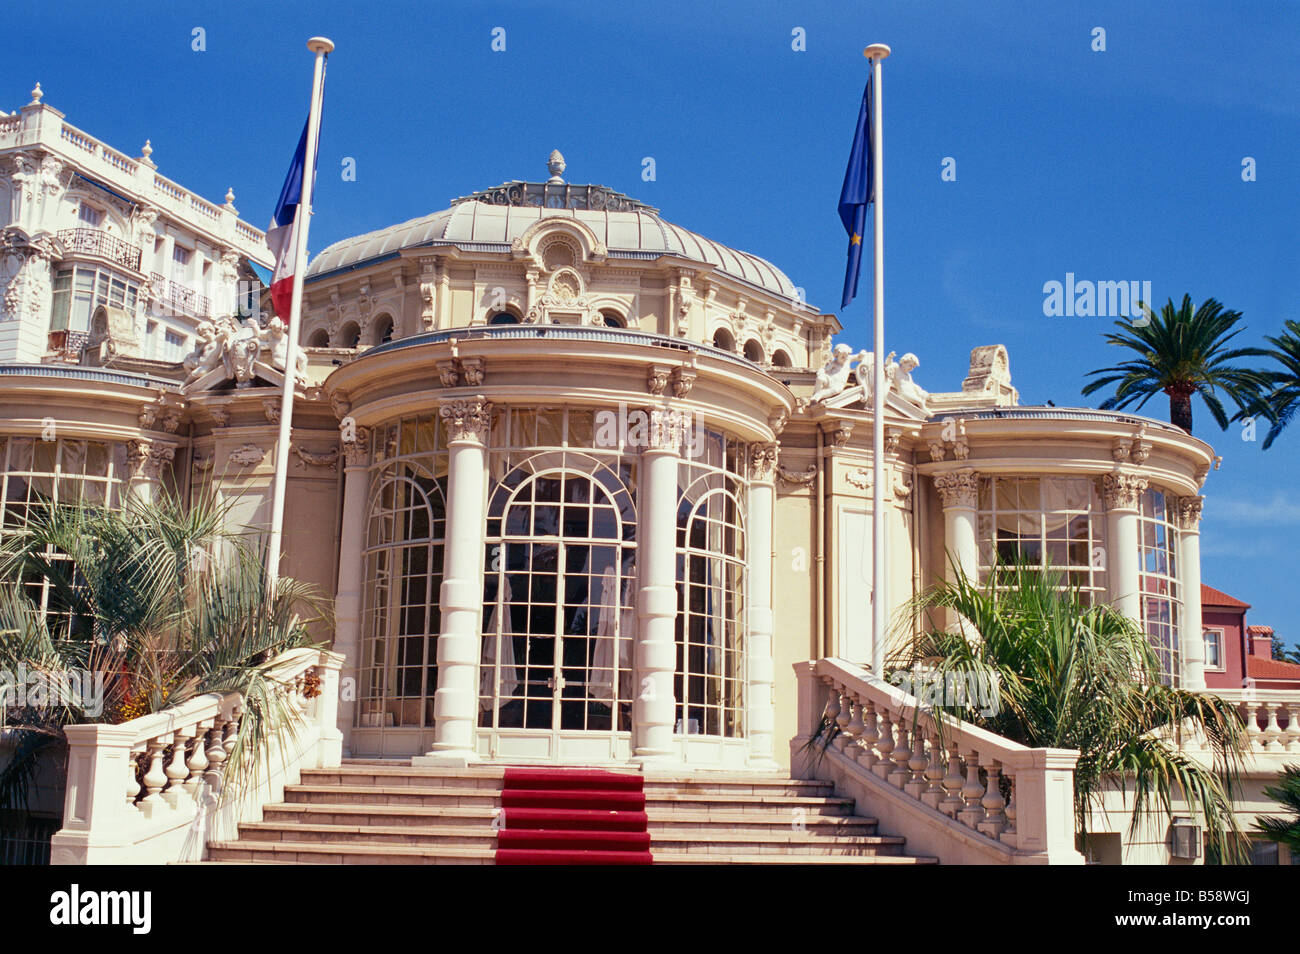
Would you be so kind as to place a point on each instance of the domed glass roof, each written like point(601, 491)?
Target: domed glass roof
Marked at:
point(490, 220)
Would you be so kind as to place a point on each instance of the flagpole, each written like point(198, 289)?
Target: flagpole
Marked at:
point(302, 219)
point(876, 53)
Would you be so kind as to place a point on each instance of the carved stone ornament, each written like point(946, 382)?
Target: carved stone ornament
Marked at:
point(656, 379)
point(307, 458)
point(843, 431)
point(937, 451)
point(777, 422)
point(227, 349)
point(1121, 491)
point(797, 479)
point(356, 452)
point(958, 488)
point(763, 461)
point(683, 379)
point(1189, 512)
point(467, 420)
point(146, 458)
point(859, 477)
point(249, 455)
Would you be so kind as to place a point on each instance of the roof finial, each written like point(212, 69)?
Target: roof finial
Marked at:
point(230, 197)
point(556, 166)
point(36, 95)
point(147, 151)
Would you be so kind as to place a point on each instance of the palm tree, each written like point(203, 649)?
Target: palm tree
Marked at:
point(160, 603)
point(1181, 354)
point(1284, 831)
point(1081, 677)
point(1282, 398)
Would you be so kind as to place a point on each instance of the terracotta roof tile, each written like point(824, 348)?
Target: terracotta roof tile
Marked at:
point(1212, 597)
point(1271, 669)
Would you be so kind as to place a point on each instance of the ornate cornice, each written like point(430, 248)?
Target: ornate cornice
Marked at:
point(467, 420)
point(958, 488)
point(1121, 491)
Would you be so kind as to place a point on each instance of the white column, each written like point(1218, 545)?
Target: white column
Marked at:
point(761, 719)
point(146, 459)
point(347, 600)
point(959, 494)
point(455, 704)
point(1191, 634)
point(656, 650)
point(1121, 493)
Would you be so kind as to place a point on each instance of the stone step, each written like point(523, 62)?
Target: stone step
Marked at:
point(461, 836)
point(668, 821)
point(309, 853)
point(792, 843)
point(333, 813)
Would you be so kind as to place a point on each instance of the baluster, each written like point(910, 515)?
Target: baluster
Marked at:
point(901, 755)
point(154, 777)
point(884, 745)
point(1293, 727)
point(232, 731)
point(1272, 731)
point(992, 802)
point(917, 764)
point(216, 753)
point(1009, 832)
point(952, 782)
point(1253, 732)
point(971, 793)
point(832, 704)
point(870, 736)
point(198, 761)
point(854, 730)
point(176, 771)
point(842, 720)
point(934, 772)
point(133, 785)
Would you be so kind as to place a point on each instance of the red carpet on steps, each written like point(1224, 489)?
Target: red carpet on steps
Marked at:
point(572, 817)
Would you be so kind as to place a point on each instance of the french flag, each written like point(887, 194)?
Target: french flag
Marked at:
point(281, 237)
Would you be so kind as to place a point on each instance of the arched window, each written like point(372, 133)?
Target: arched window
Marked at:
point(754, 351)
point(383, 332)
point(320, 338)
point(400, 613)
point(723, 340)
point(780, 359)
point(349, 335)
point(559, 584)
point(612, 319)
point(709, 686)
point(503, 318)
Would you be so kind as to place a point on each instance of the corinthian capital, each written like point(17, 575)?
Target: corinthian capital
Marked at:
point(958, 488)
point(467, 420)
point(356, 446)
point(146, 458)
point(1121, 491)
point(762, 461)
point(1189, 512)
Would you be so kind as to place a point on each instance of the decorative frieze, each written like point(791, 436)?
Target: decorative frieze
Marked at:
point(247, 455)
point(763, 461)
point(1121, 491)
point(958, 488)
point(467, 420)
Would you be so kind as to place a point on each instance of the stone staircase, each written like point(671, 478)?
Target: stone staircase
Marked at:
point(372, 812)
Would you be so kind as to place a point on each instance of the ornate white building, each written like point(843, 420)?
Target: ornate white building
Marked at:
point(98, 249)
point(590, 488)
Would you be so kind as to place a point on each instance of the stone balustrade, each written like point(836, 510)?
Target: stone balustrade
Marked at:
point(1271, 716)
point(952, 789)
point(148, 791)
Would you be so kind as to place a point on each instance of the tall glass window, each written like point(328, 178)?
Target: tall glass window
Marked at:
point(1055, 523)
point(1162, 601)
point(78, 291)
point(709, 686)
point(405, 530)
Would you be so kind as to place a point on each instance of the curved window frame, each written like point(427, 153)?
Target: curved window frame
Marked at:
point(1160, 586)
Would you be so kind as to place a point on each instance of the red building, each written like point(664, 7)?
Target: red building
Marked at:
point(1235, 651)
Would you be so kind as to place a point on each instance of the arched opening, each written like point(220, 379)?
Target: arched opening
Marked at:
point(349, 335)
point(780, 359)
point(754, 351)
point(383, 332)
point(612, 319)
point(320, 338)
point(723, 340)
point(503, 318)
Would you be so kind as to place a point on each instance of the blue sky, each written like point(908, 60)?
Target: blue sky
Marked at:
point(1116, 165)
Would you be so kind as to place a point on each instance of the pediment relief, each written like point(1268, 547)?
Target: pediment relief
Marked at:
point(229, 352)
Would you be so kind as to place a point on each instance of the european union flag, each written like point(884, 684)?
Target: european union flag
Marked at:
point(857, 194)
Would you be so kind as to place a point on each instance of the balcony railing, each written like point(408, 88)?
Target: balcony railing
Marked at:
point(99, 243)
point(179, 297)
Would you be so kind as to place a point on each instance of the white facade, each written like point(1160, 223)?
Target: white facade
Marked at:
point(83, 227)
